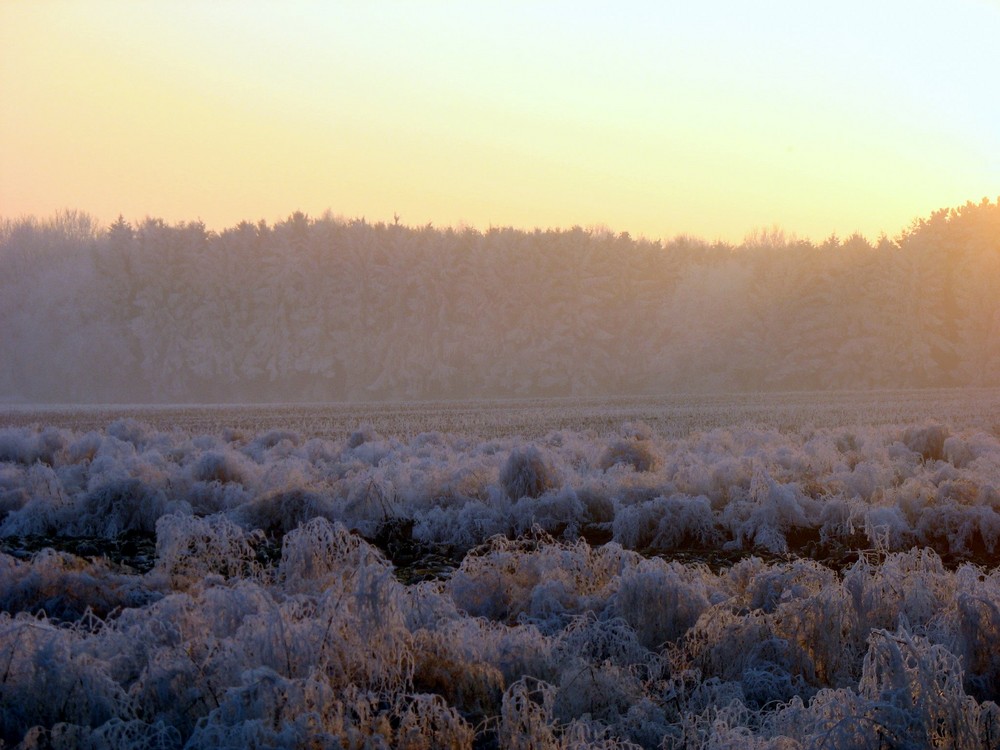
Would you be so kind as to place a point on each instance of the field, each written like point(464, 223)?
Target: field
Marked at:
point(769, 571)
point(669, 416)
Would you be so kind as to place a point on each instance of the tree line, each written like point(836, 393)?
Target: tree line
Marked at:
point(323, 308)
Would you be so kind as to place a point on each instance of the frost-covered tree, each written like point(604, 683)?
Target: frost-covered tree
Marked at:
point(330, 309)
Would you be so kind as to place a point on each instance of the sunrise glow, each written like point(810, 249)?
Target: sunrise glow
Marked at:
point(655, 118)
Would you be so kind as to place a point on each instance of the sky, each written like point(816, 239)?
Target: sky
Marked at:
point(661, 118)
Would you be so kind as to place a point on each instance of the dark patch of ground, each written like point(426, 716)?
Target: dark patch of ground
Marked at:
point(417, 561)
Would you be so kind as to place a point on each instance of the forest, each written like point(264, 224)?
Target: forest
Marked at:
point(330, 309)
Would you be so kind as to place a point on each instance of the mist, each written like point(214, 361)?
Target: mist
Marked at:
point(328, 309)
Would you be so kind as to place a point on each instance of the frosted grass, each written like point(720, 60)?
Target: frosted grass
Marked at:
point(670, 416)
point(273, 615)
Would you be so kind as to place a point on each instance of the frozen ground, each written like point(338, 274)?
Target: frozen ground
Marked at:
point(669, 416)
point(780, 571)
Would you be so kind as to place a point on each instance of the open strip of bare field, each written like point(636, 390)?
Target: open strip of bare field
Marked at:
point(670, 416)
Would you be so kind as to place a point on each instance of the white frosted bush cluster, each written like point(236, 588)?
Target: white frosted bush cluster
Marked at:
point(535, 643)
point(189, 548)
point(635, 453)
point(66, 588)
point(527, 473)
point(743, 488)
point(272, 619)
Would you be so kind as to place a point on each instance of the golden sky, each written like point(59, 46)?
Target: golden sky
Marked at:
point(658, 118)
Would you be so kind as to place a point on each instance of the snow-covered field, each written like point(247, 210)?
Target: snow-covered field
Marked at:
point(782, 571)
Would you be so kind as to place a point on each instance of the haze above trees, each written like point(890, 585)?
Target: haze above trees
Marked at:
point(328, 309)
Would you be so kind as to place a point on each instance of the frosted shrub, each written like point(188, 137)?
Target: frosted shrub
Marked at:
point(927, 440)
point(526, 721)
point(114, 734)
point(219, 466)
point(13, 492)
point(26, 446)
point(595, 640)
point(769, 586)
point(824, 638)
point(269, 440)
point(266, 710)
point(46, 446)
point(447, 662)
point(507, 580)
point(364, 434)
point(277, 513)
point(371, 502)
point(135, 734)
point(188, 549)
point(636, 431)
point(368, 448)
point(48, 509)
point(957, 451)
point(603, 691)
point(17, 446)
point(527, 473)
point(84, 448)
point(46, 680)
point(516, 650)
point(123, 506)
point(65, 587)
point(960, 529)
point(283, 637)
point(769, 676)
point(468, 526)
point(920, 687)
point(912, 584)
point(184, 655)
point(598, 508)
point(319, 554)
point(131, 431)
point(270, 711)
point(887, 528)
point(558, 513)
point(484, 587)
point(803, 604)
point(207, 498)
point(428, 723)
point(428, 607)
point(972, 628)
point(348, 619)
point(660, 601)
point(721, 642)
point(667, 523)
point(768, 511)
point(637, 454)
